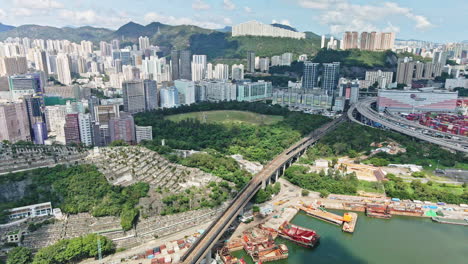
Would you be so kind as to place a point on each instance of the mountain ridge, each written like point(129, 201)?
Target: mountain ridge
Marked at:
point(216, 44)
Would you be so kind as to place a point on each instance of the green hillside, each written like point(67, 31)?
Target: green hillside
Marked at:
point(178, 36)
point(46, 32)
point(222, 45)
point(361, 58)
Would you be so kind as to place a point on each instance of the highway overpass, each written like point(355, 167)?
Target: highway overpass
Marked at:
point(402, 126)
point(202, 247)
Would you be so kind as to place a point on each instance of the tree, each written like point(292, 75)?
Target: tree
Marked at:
point(305, 192)
point(19, 255)
point(128, 217)
point(324, 193)
point(255, 209)
point(118, 143)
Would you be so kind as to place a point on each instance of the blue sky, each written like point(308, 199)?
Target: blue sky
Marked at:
point(433, 20)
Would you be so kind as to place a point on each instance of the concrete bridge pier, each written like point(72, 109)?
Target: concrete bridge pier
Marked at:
point(208, 258)
point(276, 176)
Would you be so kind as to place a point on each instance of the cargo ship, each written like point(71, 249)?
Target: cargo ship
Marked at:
point(300, 235)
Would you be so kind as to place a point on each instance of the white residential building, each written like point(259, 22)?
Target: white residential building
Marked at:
point(255, 28)
point(384, 79)
point(63, 69)
point(237, 72)
point(86, 129)
point(187, 91)
point(198, 67)
point(221, 72)
point(144, 43)
point(55, 116)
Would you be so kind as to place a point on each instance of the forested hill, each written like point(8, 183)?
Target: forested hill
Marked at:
point(46, 32)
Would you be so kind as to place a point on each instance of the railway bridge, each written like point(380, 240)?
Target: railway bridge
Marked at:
point(201, 249)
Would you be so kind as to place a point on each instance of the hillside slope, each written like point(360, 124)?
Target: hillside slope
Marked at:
point(4, 27)
point(222, 45)
point(46, 32)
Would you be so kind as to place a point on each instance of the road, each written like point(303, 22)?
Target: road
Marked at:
point(364, 108)
point(203, 245)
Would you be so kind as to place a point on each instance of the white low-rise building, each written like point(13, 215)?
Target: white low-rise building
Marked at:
point(31, 211)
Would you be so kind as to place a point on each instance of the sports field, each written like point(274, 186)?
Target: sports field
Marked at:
point(228, 116)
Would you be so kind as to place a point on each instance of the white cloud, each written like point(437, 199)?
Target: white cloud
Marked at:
point(247, 9)
point(90, 17)
point(227, 21)
point(200, 5)
point(22, 12)
point(421, 22)
point(282, 22)
point(38, 4)
point(391, 28)
point(341, 15)
point(171, 20)
point(318, 4)
point(2, 14)
point(229, 5)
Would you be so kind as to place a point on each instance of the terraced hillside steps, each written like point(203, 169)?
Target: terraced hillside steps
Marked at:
point(128, 165)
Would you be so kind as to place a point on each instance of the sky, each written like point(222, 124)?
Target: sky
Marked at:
point(431, 20)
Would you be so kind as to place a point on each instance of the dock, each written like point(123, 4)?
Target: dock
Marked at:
point(450, 221)
point(322, 215)
point(349, 227)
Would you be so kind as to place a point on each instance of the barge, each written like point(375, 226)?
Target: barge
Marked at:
point(322, 214)
point(302, 236)
point(378, 211)
point(350, 222)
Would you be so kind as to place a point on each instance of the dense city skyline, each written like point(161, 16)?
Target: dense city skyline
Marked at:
point(410, 20)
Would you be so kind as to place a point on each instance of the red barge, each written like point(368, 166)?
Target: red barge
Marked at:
point(300, 235)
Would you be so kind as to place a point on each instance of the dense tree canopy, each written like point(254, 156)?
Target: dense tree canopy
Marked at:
point(73, 250)
point(19, 255)
point(256, 143)
point(416, 190)
point(76, 189)
point(351, 138)
point(333, 181)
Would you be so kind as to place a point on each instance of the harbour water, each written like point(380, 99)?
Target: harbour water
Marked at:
point(402, 240)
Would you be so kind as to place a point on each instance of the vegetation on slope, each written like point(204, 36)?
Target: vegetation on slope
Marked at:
point(188, 200)
point(397, 187)
point(74, 250)
point(221, 45)
point(77, 189)
point(350, 139)
point(332, 181)
point(46, 32)
point(414, 56)
point(19, 255)
point(355, 57)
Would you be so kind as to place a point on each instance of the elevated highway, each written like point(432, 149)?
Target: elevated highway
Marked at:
point(405, 127)
point(202, 247)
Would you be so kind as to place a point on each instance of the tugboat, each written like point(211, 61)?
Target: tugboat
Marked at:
point(299, 235)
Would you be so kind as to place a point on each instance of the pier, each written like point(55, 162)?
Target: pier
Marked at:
point(322, 215)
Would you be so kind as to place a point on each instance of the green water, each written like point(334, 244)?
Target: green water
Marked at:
point(400, 240)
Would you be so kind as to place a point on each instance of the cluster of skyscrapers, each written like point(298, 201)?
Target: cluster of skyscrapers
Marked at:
point(409, 70)
point(375, 41)
point(56, 90)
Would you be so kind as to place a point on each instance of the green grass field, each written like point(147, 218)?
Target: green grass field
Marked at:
point(228, 117)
